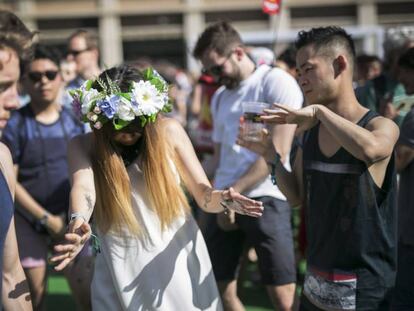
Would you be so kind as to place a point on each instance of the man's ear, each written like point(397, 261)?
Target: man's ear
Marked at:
point(340, 64)
point(239, 51)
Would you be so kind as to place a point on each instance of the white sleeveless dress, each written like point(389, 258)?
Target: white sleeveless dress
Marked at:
point(163, 270)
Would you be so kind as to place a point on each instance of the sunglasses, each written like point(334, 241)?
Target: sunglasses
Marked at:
point(216, 70)
point(37, 76)
point(76, 52)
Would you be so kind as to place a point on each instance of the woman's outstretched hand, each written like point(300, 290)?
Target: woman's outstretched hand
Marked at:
point(305, 118)
point(77, 234)
point(240, 204)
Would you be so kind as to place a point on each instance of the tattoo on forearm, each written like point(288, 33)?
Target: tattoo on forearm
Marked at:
point(88, 199)
point(207, 198)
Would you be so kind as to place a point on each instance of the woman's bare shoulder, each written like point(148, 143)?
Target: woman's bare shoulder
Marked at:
point(172, 127)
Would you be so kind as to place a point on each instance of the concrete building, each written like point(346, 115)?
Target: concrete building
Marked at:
point(129, 29)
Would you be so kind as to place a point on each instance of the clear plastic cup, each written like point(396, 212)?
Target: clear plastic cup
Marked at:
point(252, 128)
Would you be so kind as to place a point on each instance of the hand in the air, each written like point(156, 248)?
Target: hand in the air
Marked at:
point(305, 118)
point(240, 204)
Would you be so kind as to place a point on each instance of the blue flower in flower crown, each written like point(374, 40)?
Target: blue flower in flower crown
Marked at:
point(108, 105)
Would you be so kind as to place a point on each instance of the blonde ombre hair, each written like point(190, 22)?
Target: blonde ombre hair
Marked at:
point(113, 210)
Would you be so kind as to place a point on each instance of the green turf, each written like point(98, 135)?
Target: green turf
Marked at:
point(59, 298)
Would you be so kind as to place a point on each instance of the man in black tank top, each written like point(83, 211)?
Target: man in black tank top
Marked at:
point(343, 176)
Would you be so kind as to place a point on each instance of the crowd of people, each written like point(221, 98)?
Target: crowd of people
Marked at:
point(139, 183)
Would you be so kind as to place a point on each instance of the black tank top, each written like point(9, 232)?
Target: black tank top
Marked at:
point(351, 228)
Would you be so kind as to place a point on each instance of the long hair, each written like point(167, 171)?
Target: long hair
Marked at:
point(113, 208)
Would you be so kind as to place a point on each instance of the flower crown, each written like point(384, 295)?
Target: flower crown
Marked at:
point(145, 99)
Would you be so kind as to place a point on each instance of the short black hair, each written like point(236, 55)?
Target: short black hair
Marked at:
point(406, 60)
point(220, 37)
point(325, 38)
point(47, 52)
point(288, 56)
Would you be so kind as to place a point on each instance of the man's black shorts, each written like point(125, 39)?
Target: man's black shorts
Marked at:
point(270, 235)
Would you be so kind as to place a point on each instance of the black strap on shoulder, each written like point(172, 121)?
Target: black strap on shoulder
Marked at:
point(367, 117)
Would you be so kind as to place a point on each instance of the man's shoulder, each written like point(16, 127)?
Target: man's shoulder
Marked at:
point(17, 117)
point(75, 83)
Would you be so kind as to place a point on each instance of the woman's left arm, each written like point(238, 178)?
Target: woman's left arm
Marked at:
point(196, 181)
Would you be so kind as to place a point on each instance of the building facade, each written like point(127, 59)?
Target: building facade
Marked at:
point(130, 29)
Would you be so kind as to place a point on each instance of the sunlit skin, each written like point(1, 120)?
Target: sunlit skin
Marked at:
point(45, 91)
point(9, 77)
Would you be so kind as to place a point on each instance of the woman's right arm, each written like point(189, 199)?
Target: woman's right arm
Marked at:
point(82, 201)
point(82, 194)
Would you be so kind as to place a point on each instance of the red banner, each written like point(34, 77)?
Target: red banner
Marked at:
point(271, 7)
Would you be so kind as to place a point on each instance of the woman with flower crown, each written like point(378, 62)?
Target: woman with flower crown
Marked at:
point(130, 171)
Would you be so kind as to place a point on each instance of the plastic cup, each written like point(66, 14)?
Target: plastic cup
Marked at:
point(252, 128)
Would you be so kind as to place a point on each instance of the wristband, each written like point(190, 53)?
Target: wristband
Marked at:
point(44, 219)
point(74, 216)
point(224, 203)
point(273, 168)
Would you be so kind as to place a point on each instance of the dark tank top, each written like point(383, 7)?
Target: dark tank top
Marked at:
point(6, 209)
point(351, 229)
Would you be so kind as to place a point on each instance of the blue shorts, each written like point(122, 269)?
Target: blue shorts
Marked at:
point(270, 235)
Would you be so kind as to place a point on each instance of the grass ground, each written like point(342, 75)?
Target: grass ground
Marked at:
point(253, 296)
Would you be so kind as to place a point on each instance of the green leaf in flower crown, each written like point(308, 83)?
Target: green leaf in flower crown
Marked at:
point(143, 120)
point(159, 85)
point(148, 74)
point(88, 85)
point(113, 87)
point(125, 95)
point(102, 85)
point(74, 93)
point(119, 124)
point(168, 106)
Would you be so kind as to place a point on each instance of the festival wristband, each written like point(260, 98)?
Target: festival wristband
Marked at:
point(224, 203)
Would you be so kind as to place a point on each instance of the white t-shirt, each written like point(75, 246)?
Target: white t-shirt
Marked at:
point(264, 85)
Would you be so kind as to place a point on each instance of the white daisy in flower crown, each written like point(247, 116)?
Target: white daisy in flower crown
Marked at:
point(144, 100)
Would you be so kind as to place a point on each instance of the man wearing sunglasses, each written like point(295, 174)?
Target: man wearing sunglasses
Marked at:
point(83, 50)
point(37, 136)
point(223, 55)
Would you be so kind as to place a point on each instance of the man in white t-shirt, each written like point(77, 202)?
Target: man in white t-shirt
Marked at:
point(222, 54)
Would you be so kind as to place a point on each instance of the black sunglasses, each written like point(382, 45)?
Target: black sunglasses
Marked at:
point(216, 70)
point(76, 52)
point(36, 76)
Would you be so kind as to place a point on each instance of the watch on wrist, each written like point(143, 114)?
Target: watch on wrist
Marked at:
point(44, 219)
